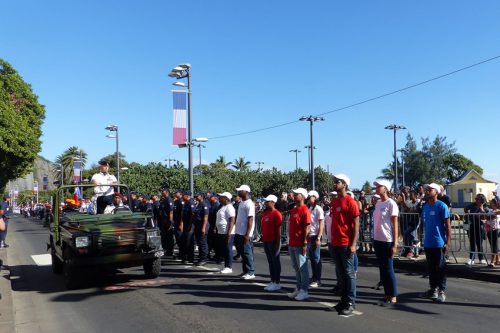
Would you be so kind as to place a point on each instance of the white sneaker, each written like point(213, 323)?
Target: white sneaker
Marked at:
point(248, 276)
point(315, 284)
point(302, 295)
point(226, 270)
point(274, 287)
point(266, 288)
point(483, 262)
point(470, 262)
point(293, 294)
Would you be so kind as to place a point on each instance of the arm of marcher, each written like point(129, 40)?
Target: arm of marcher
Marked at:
point(354, 239)
point(249, 228)
point(395, 235)
point(447, 225)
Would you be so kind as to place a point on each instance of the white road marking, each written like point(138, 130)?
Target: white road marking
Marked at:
point(42, 259)
point(259, 284)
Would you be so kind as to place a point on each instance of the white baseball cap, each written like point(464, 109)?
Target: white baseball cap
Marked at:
point(350, 193)
point(272, 198)
point(333, 193)
point(434, 186)
point(245, 188)
point(226, 195)
point(302, 191)
point(313, 194)
point(382, 182)
point(343, 177)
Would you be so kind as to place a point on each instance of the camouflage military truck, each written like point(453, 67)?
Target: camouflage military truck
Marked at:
point(81, 241)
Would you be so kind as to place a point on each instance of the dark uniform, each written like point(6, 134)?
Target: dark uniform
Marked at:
point(187, 237)
point(134, 203)
point(166, 226)
point(178, 207)
point(200, 212)
point(212, 235)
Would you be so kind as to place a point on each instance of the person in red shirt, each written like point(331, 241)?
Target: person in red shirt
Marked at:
point(271, 237)
point(299, 227)
point(345, 229)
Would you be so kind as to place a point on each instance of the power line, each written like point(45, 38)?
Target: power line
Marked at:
point(364, 101)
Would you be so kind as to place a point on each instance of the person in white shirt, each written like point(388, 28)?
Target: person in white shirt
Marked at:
point(314, 238)
point(385, 239)
point(244, 230)
point(224, 224)
point(104, 192)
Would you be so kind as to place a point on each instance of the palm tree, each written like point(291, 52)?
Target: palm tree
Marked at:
point(221, 162)
point(66, 159)
point(241, 165)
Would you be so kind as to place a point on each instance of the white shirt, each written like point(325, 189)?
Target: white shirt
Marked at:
point(328, 228)
point(245, 210)
point(317, 214)
point(382, 225)
point(103, 179)
point(224, 214)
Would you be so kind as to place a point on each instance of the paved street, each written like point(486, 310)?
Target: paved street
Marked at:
point(196, 299)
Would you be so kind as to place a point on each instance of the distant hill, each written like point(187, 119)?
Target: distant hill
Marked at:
point(41, 167)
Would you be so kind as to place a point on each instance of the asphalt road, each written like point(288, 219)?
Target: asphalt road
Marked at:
point(197, 299)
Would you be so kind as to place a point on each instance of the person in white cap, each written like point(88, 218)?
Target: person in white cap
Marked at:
point(244, 231)
point(385, 239)
point(299, 227)
point(224, 224)
point(314, 238)
point(345, 231)
point(437, 231)
point(271, 238)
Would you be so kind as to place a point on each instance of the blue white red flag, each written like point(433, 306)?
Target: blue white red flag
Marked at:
point(180, 112)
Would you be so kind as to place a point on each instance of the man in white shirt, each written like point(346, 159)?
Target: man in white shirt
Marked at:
point(244, 231)
point(104, 192)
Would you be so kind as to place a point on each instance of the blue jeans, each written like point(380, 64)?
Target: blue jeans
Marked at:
point(436, 264)
point(299, 264)
point(274, 261)
point(313, 252)
point(345, 264)
point(246, 251)
point(224, 249)
point(337, 274)
point(386, 267)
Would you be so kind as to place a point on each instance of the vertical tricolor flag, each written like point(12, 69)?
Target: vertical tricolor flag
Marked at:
point(179, 117)
point(77, 168)
point(45, 181)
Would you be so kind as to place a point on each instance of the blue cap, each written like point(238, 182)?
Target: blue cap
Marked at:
point(187, 193)
point(201, 193)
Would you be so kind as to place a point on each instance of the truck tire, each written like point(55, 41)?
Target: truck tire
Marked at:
point(71, 276)
point(152, 268)
point(57, 264)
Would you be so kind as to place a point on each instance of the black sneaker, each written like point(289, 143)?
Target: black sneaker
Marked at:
point(348, 310)
point(201, 263)
point(338, 307)
point(431, 293)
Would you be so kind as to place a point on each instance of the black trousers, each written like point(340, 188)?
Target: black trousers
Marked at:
point(102, 202)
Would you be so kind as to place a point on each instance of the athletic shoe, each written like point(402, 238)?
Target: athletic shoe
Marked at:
point(470, 262)
point(431, 293)
point(348, 310)
point(266, 288)
point(315, 284)
point(274, 287)
point(248, 276)
point(302, 295)
point(201, 263)
point(483, 262)
point(226, 270)
point(293, 294)
point(441, 297)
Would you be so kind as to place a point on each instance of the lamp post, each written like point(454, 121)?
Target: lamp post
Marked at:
point(403, 153)
point(199, 145)
point(312, 119)
point(62, 172)
point(395, 128)
point(114, 128)
point(296, 151)
point(259, 164)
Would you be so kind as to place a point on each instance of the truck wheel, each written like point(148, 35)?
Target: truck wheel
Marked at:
point(57, 264)
point(152, 268)
point(70, 273)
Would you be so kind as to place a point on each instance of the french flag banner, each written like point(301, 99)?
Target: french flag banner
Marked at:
point(77, 168)
point(180, 112)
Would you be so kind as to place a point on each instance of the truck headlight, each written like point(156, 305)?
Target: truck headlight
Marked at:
point(153, 239)
point(82, 241)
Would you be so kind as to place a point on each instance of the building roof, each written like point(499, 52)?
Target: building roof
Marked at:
point(472, 177)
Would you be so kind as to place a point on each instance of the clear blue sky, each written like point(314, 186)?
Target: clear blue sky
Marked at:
point(256, 64)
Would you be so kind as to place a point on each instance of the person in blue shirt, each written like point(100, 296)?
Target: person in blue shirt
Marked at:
point(200, 222)
point(437, 237)
point(186, 249)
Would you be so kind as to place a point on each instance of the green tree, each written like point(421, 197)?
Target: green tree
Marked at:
point(367, 187)
point(66, 159)
point(221, 162)
point(240, 164)
point(21, 118)
point(457, 164)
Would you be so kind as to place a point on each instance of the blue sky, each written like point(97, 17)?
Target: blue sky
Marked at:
point(256, 64)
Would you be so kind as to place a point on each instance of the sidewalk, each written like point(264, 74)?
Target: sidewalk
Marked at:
point(6, 305)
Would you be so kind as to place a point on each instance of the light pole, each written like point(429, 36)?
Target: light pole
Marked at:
point(259, 164)
point(308, 147)
point(395, 128)
point(312, 119)
point(199, 145)
point(296, 151)
point(403, 152)
point(62, 172)
point(114, 128)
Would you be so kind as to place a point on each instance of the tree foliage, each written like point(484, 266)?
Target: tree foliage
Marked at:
point(66, 159)
point(21, 118)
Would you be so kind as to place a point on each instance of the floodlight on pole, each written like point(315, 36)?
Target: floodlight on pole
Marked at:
point(296, 151)
point(312, 119)
point(395, 128)
point(114, 128)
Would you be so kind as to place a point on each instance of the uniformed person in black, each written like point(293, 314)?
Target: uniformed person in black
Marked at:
point(201, 226)
point(134, 202)
point(212, 233)
point(178, 206)
point(166, 209)
point(187, 237)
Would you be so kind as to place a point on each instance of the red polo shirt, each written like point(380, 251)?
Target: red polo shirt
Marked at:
point(271, 222)
point(300, 218)
point(343, 211)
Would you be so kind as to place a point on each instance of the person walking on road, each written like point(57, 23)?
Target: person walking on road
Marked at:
point(298, 228)
point(314, 238)
point(224, 224)
point(437, 231)
point(345, 230)
point(271, 238)
point(385, 239)
point(244, 231)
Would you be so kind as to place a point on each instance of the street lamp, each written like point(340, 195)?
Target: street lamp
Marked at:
point(403, 153)
point(259, 164)
point(395, 128)
point(311, 120)
point(199, 145)
point(61, 170)
point(296, 151)
point(114, 128)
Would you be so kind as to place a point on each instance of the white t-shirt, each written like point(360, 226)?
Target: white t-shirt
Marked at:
point(382, 225)
point(317, 214)
point(103, 179)
point(245, 210)
point(328, 228)
point(224, 214)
